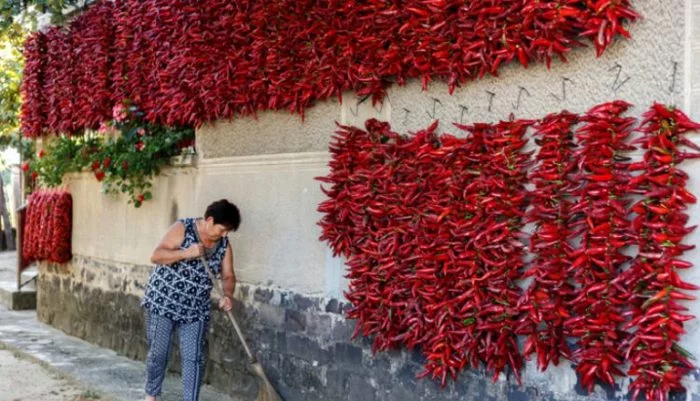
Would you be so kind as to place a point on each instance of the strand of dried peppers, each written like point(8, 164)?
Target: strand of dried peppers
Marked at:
point(443, 282)
point(62, 226)
point(545, 305)
point(657, 361)
point(30, 228)
point(33, 111)
point(601, 217)
point(500, 198)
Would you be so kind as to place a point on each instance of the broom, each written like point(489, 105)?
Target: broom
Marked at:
point(266, 392)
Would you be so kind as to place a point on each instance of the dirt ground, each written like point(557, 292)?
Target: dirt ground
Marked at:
point(23, 380)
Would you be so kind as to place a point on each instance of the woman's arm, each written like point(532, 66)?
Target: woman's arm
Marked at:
point(169, 252)
point(227, 275)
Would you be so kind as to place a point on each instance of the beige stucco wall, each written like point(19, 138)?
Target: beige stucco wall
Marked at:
point(106, 227)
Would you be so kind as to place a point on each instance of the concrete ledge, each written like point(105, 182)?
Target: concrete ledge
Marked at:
point(13, 299)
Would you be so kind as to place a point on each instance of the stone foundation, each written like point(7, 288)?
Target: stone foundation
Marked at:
point(303, 343)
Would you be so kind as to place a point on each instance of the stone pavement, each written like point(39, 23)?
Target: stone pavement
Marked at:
point(112, 376)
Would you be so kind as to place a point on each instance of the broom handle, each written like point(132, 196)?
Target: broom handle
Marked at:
point(220, 293)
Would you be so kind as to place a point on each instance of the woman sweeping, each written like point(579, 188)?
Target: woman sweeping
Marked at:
point(178, 294)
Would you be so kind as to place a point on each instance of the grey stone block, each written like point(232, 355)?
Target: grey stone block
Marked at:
point(294, 321)
point(678, 396)
point(319, 325)
point(16, 300)
point(406, 376)
point(342, 330)
point(333, 306)
point(263, 295)
point(307, 349)
point(361, 389)
point(337, 380)
point(281, 342)
point(303, 303)
point(346, 354)
point(518, 395)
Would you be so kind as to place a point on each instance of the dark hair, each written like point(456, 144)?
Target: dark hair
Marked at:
point(225, 213)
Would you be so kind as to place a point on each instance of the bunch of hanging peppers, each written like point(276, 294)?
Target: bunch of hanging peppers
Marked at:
point(432, 230)
point(440, 290)
point(657, 361)
point(402, 210)
point(601, 219)
point(48, 227)
point(243, 57)
point(545, 304)
point(500, 199)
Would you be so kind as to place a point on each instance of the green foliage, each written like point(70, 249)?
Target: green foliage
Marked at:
point(26, 12)
point(124, 163)
point(11, 66)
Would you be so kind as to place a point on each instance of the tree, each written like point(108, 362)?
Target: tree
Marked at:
point(11, 64)
point(26, 12)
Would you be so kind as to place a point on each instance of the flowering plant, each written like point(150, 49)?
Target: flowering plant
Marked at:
point(125, 155)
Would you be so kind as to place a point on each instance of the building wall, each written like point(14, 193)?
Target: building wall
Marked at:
point(290, 287)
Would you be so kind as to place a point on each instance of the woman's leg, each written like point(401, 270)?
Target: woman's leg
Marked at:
point(159, 334)
point(193, 337)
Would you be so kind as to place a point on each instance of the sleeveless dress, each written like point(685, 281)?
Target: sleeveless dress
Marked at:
point(181, 291)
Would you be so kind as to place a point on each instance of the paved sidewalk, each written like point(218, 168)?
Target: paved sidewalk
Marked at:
point(22, 380)
point(112, 376)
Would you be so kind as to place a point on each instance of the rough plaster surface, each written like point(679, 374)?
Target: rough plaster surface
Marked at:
point(277, 243)
point(270, 132)
point(105, 226)
point(692, 59)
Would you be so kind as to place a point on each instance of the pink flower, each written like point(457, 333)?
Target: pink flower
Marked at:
point(103, 128)
point(119, 112)
point(141, 131)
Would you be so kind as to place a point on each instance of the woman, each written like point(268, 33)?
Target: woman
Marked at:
point(178, 294)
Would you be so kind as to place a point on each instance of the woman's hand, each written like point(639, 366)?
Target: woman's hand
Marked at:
point(226, 303)
point(194, 251)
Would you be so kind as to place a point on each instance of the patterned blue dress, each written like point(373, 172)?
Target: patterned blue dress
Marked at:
point(181, 291)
